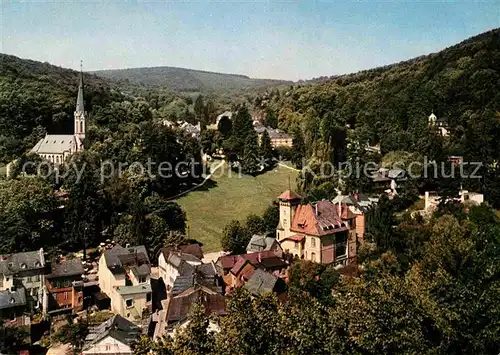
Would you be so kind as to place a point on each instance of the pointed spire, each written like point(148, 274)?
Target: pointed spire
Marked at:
point(79, 100)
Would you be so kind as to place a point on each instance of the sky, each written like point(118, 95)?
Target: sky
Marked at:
point(262, 39)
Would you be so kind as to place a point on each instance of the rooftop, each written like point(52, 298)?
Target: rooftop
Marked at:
point(13, 263)
point(9, 299)
point(131, 290)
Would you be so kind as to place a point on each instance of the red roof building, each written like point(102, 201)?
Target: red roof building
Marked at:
point(321, 231)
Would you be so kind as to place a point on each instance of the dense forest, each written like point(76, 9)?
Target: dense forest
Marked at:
point(180, 79)
point(390, 106)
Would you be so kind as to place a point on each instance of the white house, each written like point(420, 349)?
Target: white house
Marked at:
point(113, 336)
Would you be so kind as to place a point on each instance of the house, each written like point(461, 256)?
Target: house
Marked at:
point(14, 307)
point(65, 286)
point(236, 270)
point(25, 271)
point(363, 207)
point(124, 276)
point(440, 123)
point(272, 259)
point(56, 148)
point(113, 336)
point(176, 309)
point(262, 282)
point(277, 136)
point(322, 232)
point(172, 264)
point(262, 243)
point(386, 179)
point(203, 274)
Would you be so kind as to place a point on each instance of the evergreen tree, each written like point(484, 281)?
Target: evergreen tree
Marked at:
point(266, 149)
point(250, 160)
point(242, 128)
point(199, 108)
point(271, 119)
point(299, 148)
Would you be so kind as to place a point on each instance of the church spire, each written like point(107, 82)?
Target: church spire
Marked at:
point(79, 100)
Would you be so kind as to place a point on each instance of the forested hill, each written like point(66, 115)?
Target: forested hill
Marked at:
point(180, 79)
point(36, 96)
point(390, 105)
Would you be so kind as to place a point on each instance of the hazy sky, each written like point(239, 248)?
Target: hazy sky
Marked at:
point(285, 40)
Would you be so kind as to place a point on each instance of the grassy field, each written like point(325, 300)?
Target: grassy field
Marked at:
point(231, 197)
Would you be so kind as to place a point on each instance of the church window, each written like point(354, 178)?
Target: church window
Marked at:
point(81, 127)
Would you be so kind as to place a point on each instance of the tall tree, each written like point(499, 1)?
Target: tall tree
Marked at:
point(234, 238)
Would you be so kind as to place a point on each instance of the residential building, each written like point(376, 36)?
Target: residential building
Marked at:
point(172, 264)
point(277, 136)
point(440, 123)
point(176, 309)
point(236, 270)
point(114, 336)
point(65, 286)
point(13, 308)
point(322, 232)
point(124, 276)
point(24, 270)
point(386, 180)
point(263, 243)
point(262, 282)
point(363, 207)
point(56, 148)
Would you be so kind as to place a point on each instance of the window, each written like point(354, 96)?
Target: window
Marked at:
point(284, 222)
point(129, 303)
point(29, 279)
point(23, 266)
point(313, 242)
point(313, 256)
point(81, 127)
point(296, 245)
point(36, 278)
point(148, 297)
point(65, 295)
point(142, 280)
point(34, 291)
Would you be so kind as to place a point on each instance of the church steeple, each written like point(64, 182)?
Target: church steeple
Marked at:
point(80, 114)
point(79, 100)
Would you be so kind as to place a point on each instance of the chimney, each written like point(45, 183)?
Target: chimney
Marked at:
point(356, 196)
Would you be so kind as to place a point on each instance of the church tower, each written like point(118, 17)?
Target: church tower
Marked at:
point(288, 202)
point(80, 114)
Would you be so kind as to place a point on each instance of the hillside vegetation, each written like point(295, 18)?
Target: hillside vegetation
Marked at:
point(390, 105)
point(180, 79)
point(37, 97)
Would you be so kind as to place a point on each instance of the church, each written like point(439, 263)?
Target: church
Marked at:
point(56, 148)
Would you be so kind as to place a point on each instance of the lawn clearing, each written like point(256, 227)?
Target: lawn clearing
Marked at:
point(209, 210)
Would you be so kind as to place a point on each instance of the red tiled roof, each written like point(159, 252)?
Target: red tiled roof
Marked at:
point(228, 261)
point(289, 195)
point(318, 219)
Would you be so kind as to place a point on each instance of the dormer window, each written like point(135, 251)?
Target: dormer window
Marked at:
point(23, 266)
point(37, 264)
point(11, 265)
point(12, 300)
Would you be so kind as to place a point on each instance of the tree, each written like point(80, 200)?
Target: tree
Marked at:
point(271, 119)
point(254, 224)
point(72, 333)
point(270, 218)
point(225, 126)
point(242, 129)
point(199, 108)
point(195, 338)
point(299, 150)
point(235, 238)
point(250, 160)
point(13, 339)
point(266, 149)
